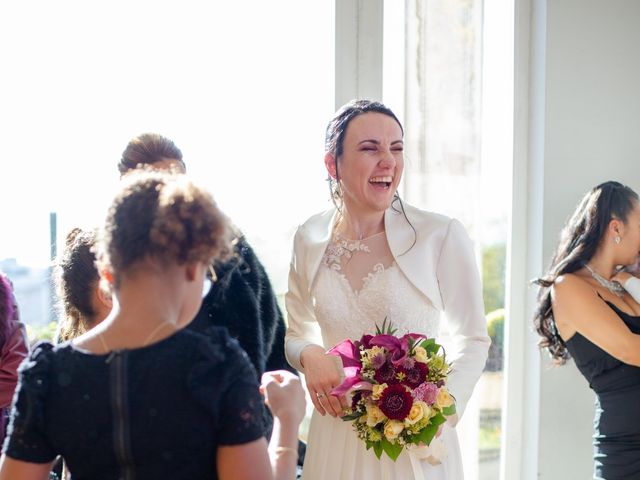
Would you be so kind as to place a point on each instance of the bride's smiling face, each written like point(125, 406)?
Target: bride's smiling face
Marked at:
point(370, 166)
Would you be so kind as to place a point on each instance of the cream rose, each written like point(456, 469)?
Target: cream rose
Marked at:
point(420, 354)
point(392, 429)
point(374, 415)
point(377, 391)
point(419, 410)
point(444, 398)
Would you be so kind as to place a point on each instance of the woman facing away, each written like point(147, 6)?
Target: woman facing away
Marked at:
point(139, 396)
point(371, 258)
point(83, 303)
point(585, 314)
point(14, 347)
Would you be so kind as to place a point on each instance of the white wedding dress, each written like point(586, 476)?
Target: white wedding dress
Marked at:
point(359, 285)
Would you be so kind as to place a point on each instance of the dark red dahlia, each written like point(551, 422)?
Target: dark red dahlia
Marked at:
point(395, 402)
point(416, 375)
point(386, 374)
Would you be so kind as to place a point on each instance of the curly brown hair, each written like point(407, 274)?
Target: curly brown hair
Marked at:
point(162, 216)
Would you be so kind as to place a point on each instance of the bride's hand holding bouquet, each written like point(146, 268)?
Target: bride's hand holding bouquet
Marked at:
point(397, 387)
point(321, 377)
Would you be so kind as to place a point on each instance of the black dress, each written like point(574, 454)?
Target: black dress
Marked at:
point(617, 420)
point(149, 413)
point(243, 301)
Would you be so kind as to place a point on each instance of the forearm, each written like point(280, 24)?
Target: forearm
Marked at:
point(467, 367)
point(283, 449)
point(297, 348)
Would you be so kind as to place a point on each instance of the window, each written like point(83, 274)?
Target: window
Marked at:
point(244, 89)
point(458, 108)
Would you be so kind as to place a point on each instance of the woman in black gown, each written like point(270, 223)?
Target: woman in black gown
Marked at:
point(584, 314)
point(140, 396)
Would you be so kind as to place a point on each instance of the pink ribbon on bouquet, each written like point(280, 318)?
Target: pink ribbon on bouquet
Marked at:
point(350, 355)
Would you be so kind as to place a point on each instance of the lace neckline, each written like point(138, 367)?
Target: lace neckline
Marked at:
point(341, 247)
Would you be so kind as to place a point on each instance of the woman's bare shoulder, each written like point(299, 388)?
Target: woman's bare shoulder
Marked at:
point(568, 284)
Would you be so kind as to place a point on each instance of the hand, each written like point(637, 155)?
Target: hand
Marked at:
point(322, 376)
point(284, 395)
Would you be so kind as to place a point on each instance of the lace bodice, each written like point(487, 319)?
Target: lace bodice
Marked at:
point(359, 285)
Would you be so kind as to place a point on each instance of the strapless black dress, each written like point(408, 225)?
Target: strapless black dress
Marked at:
point(617, 420)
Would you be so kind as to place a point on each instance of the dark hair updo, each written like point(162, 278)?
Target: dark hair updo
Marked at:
point(147, 149)
point(337, 129)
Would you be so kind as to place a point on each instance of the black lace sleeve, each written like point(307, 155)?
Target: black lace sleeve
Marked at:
point(225, 382)
point(26, 437)
point(241, 405)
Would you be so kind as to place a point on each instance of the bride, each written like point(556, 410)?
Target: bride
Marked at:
point(374, 257)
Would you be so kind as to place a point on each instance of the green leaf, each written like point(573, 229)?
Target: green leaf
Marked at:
point(430, 346)
point(369, 444)
point(427, 434)
point(352, 416)
point(377, 449)
point(427, 341)
point(391, 449)
point(450, 410)
point(386, 329)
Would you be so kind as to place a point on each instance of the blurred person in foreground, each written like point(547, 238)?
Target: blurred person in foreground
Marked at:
point(139, 395)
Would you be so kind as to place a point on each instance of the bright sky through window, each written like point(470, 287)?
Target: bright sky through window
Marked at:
point(243, 88)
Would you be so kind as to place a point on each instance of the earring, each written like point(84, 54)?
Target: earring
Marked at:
point(617, 239)
point(338, 189)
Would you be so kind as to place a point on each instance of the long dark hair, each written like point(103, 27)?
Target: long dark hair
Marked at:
point(579, 241)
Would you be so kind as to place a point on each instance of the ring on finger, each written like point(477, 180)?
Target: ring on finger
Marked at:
point(320, 395)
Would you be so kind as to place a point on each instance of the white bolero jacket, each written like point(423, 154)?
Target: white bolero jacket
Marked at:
point(441, 265)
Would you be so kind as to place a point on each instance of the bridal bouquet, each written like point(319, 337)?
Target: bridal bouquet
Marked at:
point(397, 387)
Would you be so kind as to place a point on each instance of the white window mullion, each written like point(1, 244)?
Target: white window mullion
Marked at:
point(522, 374)
point(358, 56)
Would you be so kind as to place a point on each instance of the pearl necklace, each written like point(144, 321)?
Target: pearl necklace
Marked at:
point(611, 285)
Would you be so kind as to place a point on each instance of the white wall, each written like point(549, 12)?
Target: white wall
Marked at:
point(591, 134)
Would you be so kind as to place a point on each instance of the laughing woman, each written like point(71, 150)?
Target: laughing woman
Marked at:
point(372, 258)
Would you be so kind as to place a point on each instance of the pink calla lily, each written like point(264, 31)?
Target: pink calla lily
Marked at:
point(347, 387)
point(398, 348)
point(349, 353)
point(351, 381)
